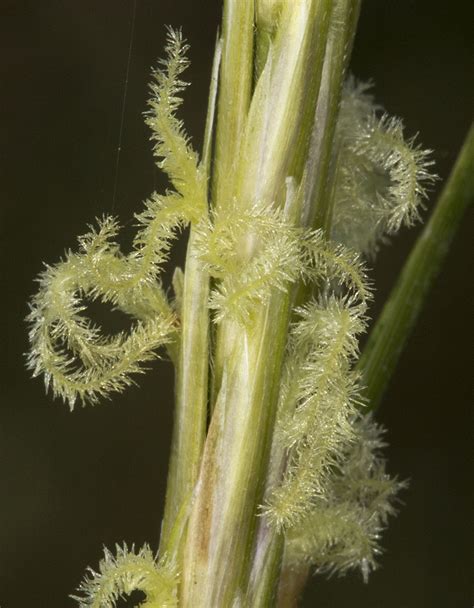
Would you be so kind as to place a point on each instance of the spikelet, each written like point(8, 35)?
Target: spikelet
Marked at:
point(255, 251)
point(172, 149)
point(342, 530)
point(77, 361)
point(126, 572)
point(381, 178)
point(251, 253)
point(319, 397)
point(335, 266)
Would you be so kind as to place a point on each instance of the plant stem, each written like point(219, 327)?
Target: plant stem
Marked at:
point(192, 364)
point(189, 430)
point(320, 174)
point(235, 87)
point(272, 146)
point(222, 524)
point(211, 110)
point(395, 323)
point(338, 51)
point(263, 584)
point(341, 32)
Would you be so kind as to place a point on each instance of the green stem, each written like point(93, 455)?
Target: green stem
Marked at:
point(223, 520)
point(223, 523)
point(191, 364)
point(281, 114)
point(189, 429)
point(235, 87)
point(342, 27)
point(263, 590)
point(342, 32)
point(393, 327)
point(321, 164)
point(211, 110)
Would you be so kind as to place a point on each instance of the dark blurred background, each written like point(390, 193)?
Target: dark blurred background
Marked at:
point(71, 483)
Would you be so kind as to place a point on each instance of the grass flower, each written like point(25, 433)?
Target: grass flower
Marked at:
point(275, 465)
